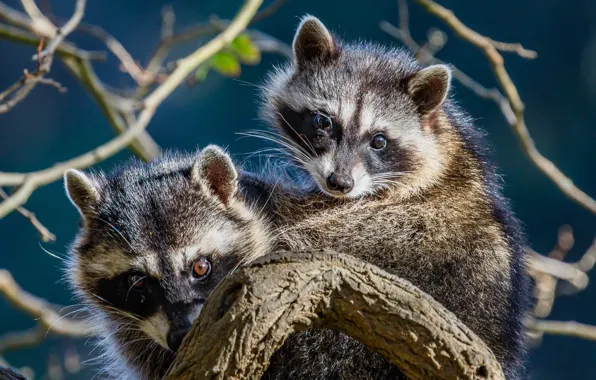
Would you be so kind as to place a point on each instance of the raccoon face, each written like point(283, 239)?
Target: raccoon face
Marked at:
point(156, 239)
point(357, 118)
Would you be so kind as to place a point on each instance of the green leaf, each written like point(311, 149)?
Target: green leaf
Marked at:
point(226, 64)
point(202, 72)
point(246, 49)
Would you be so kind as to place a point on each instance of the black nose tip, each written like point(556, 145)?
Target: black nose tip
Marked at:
point(175, 338)
point(340, 182)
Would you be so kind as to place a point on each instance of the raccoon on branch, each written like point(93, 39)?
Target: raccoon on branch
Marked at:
point(154, 242)
point(397, 175)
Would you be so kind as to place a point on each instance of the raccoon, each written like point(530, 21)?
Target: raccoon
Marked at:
point(396, 174)
point(154, 241)
point(358, 118)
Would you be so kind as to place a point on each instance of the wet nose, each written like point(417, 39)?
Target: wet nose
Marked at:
point(340, 182)
point(175, 338)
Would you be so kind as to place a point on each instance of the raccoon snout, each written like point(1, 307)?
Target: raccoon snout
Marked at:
point(175, 337)
point(340, 182)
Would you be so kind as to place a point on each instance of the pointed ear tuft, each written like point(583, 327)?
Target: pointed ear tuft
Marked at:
point(312, 41)
point(82, 191)
point(214, 173)
point(429, 87)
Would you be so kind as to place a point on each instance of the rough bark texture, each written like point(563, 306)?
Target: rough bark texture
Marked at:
point(253, 311)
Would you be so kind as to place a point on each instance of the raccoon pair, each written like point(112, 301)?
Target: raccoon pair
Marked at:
point(393, 173)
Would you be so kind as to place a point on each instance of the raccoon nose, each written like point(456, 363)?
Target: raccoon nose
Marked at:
point(175, 338)
point(340, 182)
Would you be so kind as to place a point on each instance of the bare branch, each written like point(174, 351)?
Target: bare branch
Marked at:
point(44, 233)
point(29, 182)
point(490, 49)
point(516, 48)
point(64, 49)
point(568, 328)
point(17, 92)
point(63, 31)
point(21, 339)
point(143, 145)
point(14, 17)
point(194, 32)
point(78, 63)
point(40, 309)
point(168, 19)
point(270, 44)
point(268, 11)
point(129, 65)
point(39, 23)
point(403, 34)
point(547, 272)
point(252, 312)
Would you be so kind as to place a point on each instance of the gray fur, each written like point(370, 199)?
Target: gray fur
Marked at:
point(156, 220)
point(429, 207)
point(442, 223)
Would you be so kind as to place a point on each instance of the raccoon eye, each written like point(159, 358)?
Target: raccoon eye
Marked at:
point(378, 142)
point(201, 268)
point(137, 282)
point(322, 121)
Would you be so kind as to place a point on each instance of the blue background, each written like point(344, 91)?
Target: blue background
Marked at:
point(559, 89)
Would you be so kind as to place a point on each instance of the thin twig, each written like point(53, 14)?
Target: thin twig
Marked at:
point(558, 269)
point(40, 23)
point(16, 18)
point(29, 81)
point(21, 339)
point(490, 49)
point(168, 19)
point(45, 234)
point(270, 44)
point(40, 309)
point(168, 40)
point(516, 48)
point(268, 11)
point(547, 272)
point(568, 328)
point(402, 34)
point(64, 31)
point(79, 64)
point(17, 92)
point(29, 182)
point(128, 63)
point(64, 49)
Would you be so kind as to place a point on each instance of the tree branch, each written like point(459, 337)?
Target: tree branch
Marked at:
point(253, 311)
point(44, 233)
point(29, 182)
point(424, 55)
point(491, 48)
point(15, 340)
point(40, 309)
point(567, 328)
point(78, 63)
point(64, 49)
point(547, 272)
point(40, 24)
point(63, 31)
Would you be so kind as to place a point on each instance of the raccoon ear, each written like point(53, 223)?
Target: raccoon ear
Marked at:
point(215, 173)
point(81, 190)
point(429, 87)
point(312, 41)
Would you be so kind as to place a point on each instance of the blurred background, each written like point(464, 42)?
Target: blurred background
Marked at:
point(558, 88)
